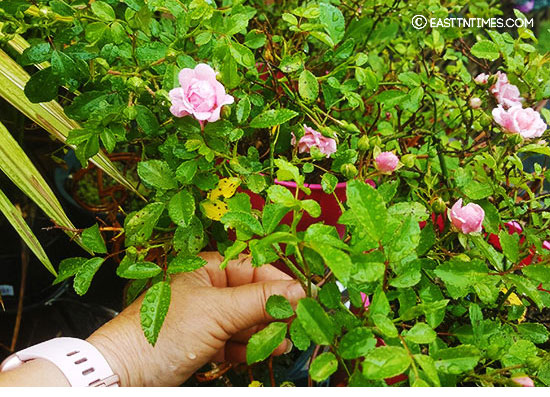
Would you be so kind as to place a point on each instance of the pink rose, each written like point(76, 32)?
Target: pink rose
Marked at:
point(516, 120)
point(311, 138)
point(475, 103)
point(523, 381)
point(467, 219)
point(505, 93)
point(482, 78)
point(200, 94)
point(386, 162)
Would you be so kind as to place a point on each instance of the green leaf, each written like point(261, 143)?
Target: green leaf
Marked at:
point(379, 303)
point(157, 173)
point(536, 333)
point(385, 362)
point(477, 190)
point(243, 221)
point(271, 118)
point(153, 310)
point(428, 366)
point(367, 210)
point(42, 86)
point(243, 109)
point(92, 239)
point(298, 335)
point(336, 260)
point(491, 222)
point(461, 277)
point(328, 183)
point(263, 343)
point(103, 11)
point(242, 55)
point(139, 226)
point(186, 171)
point(416, 210)
point(421, 333)
point(485, 49)
point(232, 252)
point(324, 365)
point(64, 68)
point(539, 273)
point(333, 20)
point(181, 208)
point(281, 195)
point(84, 275)
point(385, 325)
point(308, 86)
point(456, 360)
point(312, 207)
point(315, 321)
point(140, 270)
point(147, 120)
point(190, 239)
point(272, 216)
point(330, 296)
point(149, 53)
point(510, 245)
point(489, 252)
point(68, 268)
point(185, 264)
point(525, 286)
point(36, 54)
point(356, 343)
point(95, 31)
point(278, 307)
point(390, 98)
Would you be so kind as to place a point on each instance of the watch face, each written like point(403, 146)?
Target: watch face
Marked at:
point(10, 363)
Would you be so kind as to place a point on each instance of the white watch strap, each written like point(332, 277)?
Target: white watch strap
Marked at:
point(81, 363)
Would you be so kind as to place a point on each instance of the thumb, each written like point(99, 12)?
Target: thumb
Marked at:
point(244, 306)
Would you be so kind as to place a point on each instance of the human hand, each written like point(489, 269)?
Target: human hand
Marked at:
point(212, 315)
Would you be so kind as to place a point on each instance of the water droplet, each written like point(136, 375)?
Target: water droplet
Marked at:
point(191, 356)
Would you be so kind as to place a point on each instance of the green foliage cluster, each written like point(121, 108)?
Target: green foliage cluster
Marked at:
point(450, 307)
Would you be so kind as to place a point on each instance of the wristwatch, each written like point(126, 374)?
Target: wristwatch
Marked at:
point(81, 363)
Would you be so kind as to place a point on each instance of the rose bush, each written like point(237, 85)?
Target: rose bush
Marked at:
point(227, 101)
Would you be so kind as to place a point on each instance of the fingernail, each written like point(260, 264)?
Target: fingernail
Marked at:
point(295, 292)
point(289, 346)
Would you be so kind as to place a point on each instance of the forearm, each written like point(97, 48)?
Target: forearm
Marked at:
point(34, 373)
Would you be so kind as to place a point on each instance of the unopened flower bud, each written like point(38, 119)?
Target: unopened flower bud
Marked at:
point(348, 170)
point(350, 127)
point(408, 160)
point(364, 143)
point(439, 206)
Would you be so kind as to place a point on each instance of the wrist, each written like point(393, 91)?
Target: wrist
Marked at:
point(119, 356)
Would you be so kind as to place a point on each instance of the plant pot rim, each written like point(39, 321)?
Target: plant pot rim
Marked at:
point(312, 186)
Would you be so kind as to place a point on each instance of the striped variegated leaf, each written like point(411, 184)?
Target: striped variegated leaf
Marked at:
point(18, 222)
point(20, 169)
point(49, 115)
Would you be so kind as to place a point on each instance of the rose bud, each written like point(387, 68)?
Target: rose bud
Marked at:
point(467, 219)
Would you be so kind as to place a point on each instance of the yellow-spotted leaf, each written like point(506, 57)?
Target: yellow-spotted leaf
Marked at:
point(214, 210)
point(226, 188)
